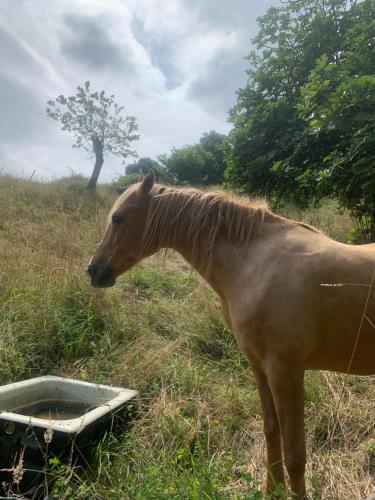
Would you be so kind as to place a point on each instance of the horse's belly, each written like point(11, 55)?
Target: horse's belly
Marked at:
point(345, 353)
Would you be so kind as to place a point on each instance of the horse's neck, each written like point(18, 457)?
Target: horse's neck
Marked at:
point(221, 265)
point(214, 266)
point(213, 253)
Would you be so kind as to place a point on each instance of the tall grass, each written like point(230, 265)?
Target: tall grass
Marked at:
point(197, 430)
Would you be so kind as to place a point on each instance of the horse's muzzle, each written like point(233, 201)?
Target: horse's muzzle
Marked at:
point(102, 276)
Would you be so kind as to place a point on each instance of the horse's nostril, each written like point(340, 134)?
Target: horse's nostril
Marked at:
point(91, 270)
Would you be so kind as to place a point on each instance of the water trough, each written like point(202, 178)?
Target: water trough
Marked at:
point(50, 414)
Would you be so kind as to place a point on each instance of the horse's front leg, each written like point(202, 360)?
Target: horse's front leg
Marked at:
point(286, 384)
point(275, 472)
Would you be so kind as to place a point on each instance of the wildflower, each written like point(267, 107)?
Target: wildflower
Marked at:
point(48, 435)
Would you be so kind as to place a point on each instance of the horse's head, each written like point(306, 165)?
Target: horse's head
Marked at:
point(121, 247)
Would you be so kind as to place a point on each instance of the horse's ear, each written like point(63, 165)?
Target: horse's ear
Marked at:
point(147, 183)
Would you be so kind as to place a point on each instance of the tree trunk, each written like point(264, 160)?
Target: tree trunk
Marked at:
point(99, 160)
point(372, 231)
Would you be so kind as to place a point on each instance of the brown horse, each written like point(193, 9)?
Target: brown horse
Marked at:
point(270, 274)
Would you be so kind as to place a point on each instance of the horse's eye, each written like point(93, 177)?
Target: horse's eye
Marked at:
point(116, 219)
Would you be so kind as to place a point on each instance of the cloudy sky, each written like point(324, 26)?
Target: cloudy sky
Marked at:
point(174, 64)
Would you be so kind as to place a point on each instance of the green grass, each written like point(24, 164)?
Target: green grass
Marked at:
point(196, 430)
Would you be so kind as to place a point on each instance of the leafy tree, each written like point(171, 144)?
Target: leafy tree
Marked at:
point(338, 107)
point(213, 144)
point(202, 163)
point(303, 125)
point(124, 181)
point(97, 123)
point(144, 165)
point(186, 165)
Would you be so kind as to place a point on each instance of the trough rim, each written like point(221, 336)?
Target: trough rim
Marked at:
point(74, 425)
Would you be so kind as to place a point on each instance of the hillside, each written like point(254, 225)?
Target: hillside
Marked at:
point(196, 429)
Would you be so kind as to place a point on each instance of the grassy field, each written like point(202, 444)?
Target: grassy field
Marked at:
point(196, 431)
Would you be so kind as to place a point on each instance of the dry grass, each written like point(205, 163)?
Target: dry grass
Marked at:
point(197, 432)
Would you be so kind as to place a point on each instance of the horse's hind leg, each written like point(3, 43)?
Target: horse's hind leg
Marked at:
point(275, 475)
point(286, 384)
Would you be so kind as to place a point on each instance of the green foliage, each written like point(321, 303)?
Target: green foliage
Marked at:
point(337, 105)
point(304, 124)
point(186, 165)
point(198, 164)
point(124, 181)
point(144, 165)
point(89, 115)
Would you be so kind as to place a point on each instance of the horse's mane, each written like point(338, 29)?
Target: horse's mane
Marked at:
point(199, 217)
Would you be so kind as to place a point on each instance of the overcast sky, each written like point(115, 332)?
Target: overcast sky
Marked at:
point(174, 64)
